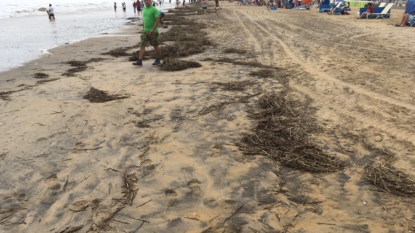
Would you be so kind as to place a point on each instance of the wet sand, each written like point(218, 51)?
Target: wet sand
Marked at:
point(69, 165)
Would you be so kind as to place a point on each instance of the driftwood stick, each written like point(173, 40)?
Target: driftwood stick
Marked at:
point(233, 213)
point(145, 203)
point(142, 223)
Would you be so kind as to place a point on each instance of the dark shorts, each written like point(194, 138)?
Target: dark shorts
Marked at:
point(51, 15)
point(139, 9)
point(147, 40)
point(204, 8)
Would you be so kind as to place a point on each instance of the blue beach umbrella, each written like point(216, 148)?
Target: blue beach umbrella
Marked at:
point(410, 7)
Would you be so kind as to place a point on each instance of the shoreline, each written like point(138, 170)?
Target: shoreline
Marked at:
point(51, 35)
point(171, 154)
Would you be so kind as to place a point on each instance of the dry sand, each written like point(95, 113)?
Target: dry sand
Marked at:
point(69, 165)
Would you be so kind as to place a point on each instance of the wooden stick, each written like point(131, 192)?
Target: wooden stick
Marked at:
point(145, 203)
point(233, 214)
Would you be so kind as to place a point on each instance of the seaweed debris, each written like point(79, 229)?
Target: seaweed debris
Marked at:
point(233, 86)
point(46, 80)
point(282, 134)
point(390, 179)
point(97, 96)
point(173, 64)
point(40, 75)
point(117, 52)
point(234, 50)
point(72, 71)
point(263, 73)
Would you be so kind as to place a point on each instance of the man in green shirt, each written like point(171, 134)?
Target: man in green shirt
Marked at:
point(150, 33)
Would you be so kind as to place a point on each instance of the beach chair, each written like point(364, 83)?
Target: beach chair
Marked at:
point(386, 13)
point(324, 6)
point(382, 4)
point(378, 12)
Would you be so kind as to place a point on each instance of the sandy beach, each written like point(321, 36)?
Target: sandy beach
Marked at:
point(296, 121)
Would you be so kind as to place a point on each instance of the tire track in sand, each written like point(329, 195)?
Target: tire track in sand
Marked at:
point(368, 121)
point(309, 68)
point(251, 37)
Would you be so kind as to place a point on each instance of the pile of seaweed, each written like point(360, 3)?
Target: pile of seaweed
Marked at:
point(79, 66)
point(389, 179)
point(174, 64)
point(40, 75)
point(233, 86)
point(239, 62)
point(282, 134)
point(121, 52)
point(97, 96)
point(235, 50)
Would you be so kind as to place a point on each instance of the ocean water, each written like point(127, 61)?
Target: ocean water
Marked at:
point(26, 33)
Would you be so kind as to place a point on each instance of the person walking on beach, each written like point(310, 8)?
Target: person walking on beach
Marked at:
point(150, 33)
point(139, 8)
point(217, 8)
point(204, 6)
point(142, 5)
point(134, 6)
point(124, 7)
point(115, 6)
point(51, 13)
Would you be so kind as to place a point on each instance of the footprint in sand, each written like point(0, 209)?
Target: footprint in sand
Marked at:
point(78, 206)
point(82, 205)
point(52, 182)
point(216, 150)
point(170, 193)
point(194, 185)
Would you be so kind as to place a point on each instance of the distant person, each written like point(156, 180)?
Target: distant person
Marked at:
point(184, 2)
point(370, 10)
point(51, 13)
point(346, 9)
point(150, 33)
point(204, 6)
point(332, 7)
point(406, 18)
point(161, 13)
point(269, 5)
point(142, 5)
point(139, 8)
point(124, 7)
point(217, 8)
point(115, 6)
point(135, 7)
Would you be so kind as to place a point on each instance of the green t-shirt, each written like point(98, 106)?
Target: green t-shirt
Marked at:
point(149, 15)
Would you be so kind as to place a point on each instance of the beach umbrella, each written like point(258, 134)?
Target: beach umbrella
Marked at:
point(410, 7)
point(306, 2)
